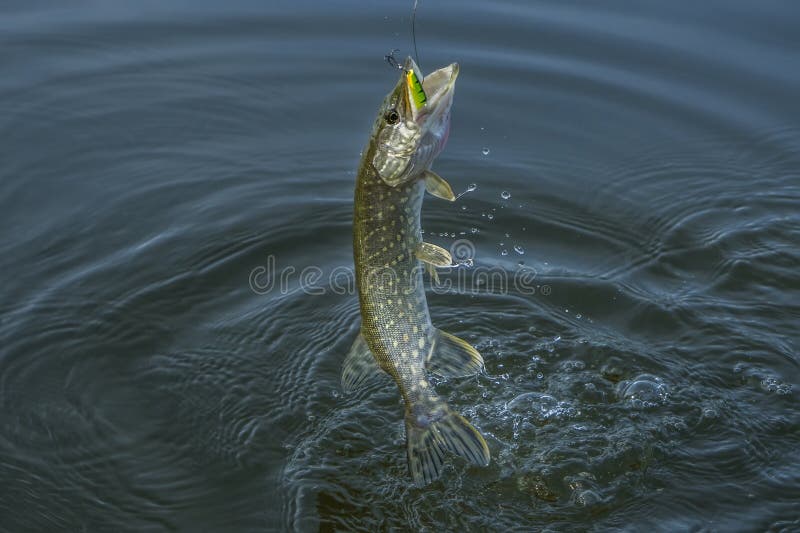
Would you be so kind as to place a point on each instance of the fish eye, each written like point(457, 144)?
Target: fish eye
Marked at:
point(392, 116)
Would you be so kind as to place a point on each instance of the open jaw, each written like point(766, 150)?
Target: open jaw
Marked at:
point(439, 84)
point(437, 89)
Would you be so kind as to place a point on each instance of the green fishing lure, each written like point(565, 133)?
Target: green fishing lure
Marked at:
point(417, 92)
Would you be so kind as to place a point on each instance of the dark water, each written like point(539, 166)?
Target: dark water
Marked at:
point(637, 162)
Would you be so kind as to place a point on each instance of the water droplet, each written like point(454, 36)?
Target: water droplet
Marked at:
point(485, 151)
point(540, 375)
point(507, 235)
point(463, 208)
point(471, 187)
point(579, 316)
point(519, 249)
point(473, 230)
point(505, 195)
point(504, 252)
point(490, 216)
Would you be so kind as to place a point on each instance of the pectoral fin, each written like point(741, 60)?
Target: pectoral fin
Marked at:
point(436, 185)
point(433, 255)
point(453, 357)
point(359, 366)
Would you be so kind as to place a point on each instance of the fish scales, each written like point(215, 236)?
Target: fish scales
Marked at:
point(395, 322)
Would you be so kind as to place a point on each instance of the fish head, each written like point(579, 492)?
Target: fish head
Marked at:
point(413, 123)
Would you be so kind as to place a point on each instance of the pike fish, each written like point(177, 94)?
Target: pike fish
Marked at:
point(396, 333)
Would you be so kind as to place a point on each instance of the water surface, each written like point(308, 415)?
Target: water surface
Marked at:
point(635, 163)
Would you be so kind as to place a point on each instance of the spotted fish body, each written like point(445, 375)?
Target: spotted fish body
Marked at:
point(396, 334)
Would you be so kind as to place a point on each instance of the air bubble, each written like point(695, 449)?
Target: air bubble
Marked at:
point(770, 384)
point(646, 391)
point(588, 498)
point(485, 151)
point(519, 249)
point(504, 252)
point(505, 195)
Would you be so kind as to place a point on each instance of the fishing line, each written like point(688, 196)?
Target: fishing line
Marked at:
point(390, 56)
point(414, 33)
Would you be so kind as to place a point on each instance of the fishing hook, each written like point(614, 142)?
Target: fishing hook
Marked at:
point(393, 60)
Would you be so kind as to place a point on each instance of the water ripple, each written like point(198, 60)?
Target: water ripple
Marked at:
point(644, 158)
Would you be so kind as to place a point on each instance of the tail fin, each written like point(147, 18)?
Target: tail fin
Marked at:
point(427, 439)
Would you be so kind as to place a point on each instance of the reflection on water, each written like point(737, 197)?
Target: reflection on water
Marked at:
point(636, 166)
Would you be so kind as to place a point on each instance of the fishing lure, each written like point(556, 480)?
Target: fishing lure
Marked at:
point(417, 92)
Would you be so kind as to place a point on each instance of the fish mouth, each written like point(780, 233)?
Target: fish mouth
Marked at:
point(437, 87)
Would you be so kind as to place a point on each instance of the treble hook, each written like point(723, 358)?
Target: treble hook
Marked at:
point(393, 60)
